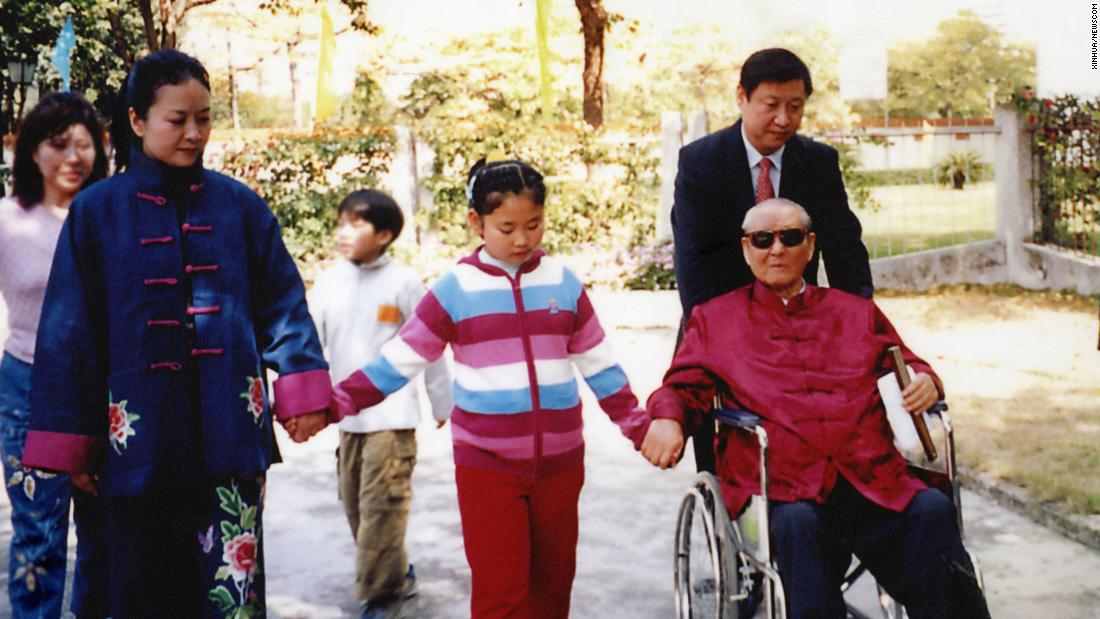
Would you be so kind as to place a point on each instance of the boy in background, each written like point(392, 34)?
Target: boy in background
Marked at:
point(359, 304)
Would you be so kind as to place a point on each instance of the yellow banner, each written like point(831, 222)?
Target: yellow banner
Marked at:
point(326, 94)
point(546, 93)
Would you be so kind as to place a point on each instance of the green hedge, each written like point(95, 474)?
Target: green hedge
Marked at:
point(919, 176)
point(304, 176)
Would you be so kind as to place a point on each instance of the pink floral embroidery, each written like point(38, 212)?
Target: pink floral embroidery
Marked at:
point(255, 397)
point(240, 543)
point(240, 556)
point(120, 424)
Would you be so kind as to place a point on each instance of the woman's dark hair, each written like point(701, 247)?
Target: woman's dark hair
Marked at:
point(774, 65)
point(376, 207)
point(53, 115)
point(139, 91)
point(488, 184)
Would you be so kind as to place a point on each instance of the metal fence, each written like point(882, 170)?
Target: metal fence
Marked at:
point(921, 185)
point(1065, 150)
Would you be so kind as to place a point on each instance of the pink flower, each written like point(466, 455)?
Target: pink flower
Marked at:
point(255, 397)
point(240, 556)
point(118, 421)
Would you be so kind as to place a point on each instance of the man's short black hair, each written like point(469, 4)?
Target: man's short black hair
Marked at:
point(774, 65)
point(376, 207)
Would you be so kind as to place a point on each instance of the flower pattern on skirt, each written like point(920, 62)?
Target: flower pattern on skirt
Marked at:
point(26, 476)
point(121, 421)
point(255, 398)
point(240, 545)
point(28, 572)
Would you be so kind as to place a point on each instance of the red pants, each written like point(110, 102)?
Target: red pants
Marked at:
point(521, 541)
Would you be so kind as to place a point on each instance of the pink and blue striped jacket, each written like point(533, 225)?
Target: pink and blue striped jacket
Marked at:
point(515, 342)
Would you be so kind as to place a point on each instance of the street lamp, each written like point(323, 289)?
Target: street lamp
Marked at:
point(21, 75)
point(20, 72)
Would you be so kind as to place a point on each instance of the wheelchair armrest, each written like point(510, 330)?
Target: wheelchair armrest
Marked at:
point(737, 418)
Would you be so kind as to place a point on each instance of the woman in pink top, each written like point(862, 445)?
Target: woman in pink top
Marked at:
point(59, 151)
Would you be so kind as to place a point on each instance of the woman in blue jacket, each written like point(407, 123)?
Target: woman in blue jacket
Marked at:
point(170, 294)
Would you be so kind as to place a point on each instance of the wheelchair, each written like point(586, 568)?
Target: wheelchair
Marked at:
point(723, 566)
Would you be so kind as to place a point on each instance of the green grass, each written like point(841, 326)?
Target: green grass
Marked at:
point(919, 217)
point(1020, 368)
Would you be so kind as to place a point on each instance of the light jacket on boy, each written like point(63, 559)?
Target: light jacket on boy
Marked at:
point(358, 308)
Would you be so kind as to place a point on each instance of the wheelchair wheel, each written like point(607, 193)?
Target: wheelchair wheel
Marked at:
point(705, 555)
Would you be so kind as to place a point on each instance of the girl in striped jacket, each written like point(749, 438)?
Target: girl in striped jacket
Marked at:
point(518, 322)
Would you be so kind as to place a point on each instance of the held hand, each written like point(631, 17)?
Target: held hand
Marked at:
point(920, 395)
point(84, 482)
point(664, 442)
point(308, 425)
point(291, 425)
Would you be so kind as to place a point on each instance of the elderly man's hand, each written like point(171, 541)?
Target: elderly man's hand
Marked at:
point(664, 442)
point(920, 395)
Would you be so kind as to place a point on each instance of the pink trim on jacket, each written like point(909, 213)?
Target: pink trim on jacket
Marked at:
point(301, 393)
point(57, 451)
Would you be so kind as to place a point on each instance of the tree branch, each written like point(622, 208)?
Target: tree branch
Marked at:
point(191, 4)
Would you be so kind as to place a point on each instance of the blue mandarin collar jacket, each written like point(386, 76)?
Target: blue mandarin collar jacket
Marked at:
point(170, 294)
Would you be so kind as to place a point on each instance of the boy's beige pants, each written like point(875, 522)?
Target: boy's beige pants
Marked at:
point(375, 471)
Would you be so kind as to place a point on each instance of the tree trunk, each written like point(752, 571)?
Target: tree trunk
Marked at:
point(168, 24)
point(593, 25)
point(232, 84)
point(151, 37)
point(121, 46)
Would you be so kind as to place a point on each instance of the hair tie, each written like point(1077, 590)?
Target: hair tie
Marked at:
point(470, 185)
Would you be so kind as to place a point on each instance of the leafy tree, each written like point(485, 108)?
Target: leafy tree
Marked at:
point(959, 72)
point(107, 32)
point(489, 102)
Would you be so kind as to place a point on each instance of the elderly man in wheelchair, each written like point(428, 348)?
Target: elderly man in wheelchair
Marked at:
point(805, 361)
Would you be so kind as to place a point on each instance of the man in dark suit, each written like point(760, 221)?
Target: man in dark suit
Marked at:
point(724, 174)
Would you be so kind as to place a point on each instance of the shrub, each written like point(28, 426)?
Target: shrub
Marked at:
point(957, 168)
point(650, 268)
point(304, 176)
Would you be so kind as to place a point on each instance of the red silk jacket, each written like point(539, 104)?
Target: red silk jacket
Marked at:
point(809, 369)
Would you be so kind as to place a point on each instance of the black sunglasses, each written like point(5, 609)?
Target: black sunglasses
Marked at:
point(789, 237)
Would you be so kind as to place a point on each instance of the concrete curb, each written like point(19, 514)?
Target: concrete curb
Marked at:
point(1082, 529)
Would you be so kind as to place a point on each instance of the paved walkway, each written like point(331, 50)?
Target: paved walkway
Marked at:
point(627, 515)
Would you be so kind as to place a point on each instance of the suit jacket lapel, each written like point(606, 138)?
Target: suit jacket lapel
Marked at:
point(790, 176)
point(737, 170)
point(796, 186)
